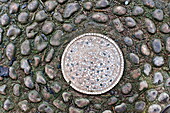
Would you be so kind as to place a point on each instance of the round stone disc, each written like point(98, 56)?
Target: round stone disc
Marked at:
point(92, 63)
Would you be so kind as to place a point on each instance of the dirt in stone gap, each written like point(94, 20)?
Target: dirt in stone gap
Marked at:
point(34, 34)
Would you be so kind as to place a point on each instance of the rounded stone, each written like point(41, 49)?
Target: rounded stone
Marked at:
point(100, 17)
point(16, 89)
point(152, 94)
point(23, 17)
point(80, 19)
point(163, 97)
point(156, 45)
point(48, 27)
point(49, 70)
point(68, 27)
point(158, 14)
point(28, 81)
point(10, 51)
point(62, 1)
point(154, 108)
point(121, 108)
point(140, 106)
point(165, 28)
point(167, 44)
point(66, 96)
point(143, 85)
point(102, 4)
point(128, 41)
point(75, 110)
point(137, 10)
point(134, 58)
point(87, 5)
point(34, 96)
point(119, 10)
point(13, 8)
point(158, 61)
point(107, 111)
point(70, 9)
point(55, 39)
point(145, 50)
point(33, 5)
point(82, 60)
point(118, 25)
point(4, 19)
point(50, 5)
point(130, 22)
point(149, 3)
point(8, 105)
point(150, 26)
point(147, 69)
point(126, 89)
point(24, 105)
point(139, 34)
point(167, 82)
point(25, 47)
point(158, 78)
point(112, 100)
point(40, 16)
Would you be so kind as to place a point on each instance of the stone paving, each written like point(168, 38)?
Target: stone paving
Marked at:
point(35, 33)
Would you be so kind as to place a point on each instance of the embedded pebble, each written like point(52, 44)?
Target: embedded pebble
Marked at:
point(149, 3)
point(147, 69)
point(126, 89)
point(150, 26)
point(80, 19)
point(4, 19)
point(40, 77)
point(82, 102)
point(40, 44)
point(50, 5)
point(136, 73)
point(23, 17)
point(28, 81)
point(140, 106)
point(165, 28)
point(10, 51)
point(33, 5)
point(158, 14)
point(57, 16)
point(55, 87)
point(130, 22)
point(143, 85)
point(133, 98)
point(118, 25)
point(137, 10)
point(34, 96)
point(49, 70)
point(128, 41)
point(121, 108)
point(25, 66)
point(168, 44)
point(154, 108)
point(87, 5)
point(13, 32)
point(107, 111)
point(3, 89)
point(156, 45)
point(163, 97)
point(1, 35)
point(119, 10)
point(139, 34)
point(112, 100)
point(134, 58)
point(158, 78)
point(102, 4)
point(16, 89)
point(13, 8)
point(75, 110)
point(48, 27)
point(167, 83)
point(62, 1)
point(25, 47)
point(97, 106)
point(40, 16)
point(50, 55)
point(3, 1)
point(36, 61)
point(32, 30)
point(151, 94)
point(24, 105)
point(68, 27)
point(59, 104)
point(8, 104)
point(100, 17)
point(145, 50)
point(45, 107)
point(70, 9)
point(66, 96)
point(55, 39)
point(158, 61)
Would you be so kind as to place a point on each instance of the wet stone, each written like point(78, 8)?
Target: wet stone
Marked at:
point(70, 9)
point(31, 30)
point(40, 44)
point(145, 50)
point(4, 19)
point(13, 8)
point(66, 96)
point(55, 39)
point(50, 5)
point(33, 5)
point(128, 41)
point(49, 70)
point(149, 3)
point(8, 104)
point(156, 45)
point(87, 5)
point(158, 78)
point(13, 32)
point(158, 14)
point(50, 55)
point(34, 96)
point(143, 85)
point(59, 104)
point(112, 100)
point(118, 25)
point(158, 61)
point(147, 69)
point(168, 44)
point(100, 17)
point(16, 89)
point(119, 10)
point(121, 108)
point(3, 89)
point(151, 94)
point(25, 66)
point(24, 105)
point(25, 47)
point(163, 97)
point(23, 17)
point(130, 22)
point(48, 27)
point(40, 16)
point(165, 28)
point(154, 108)
point(139, 34)
point(140, 106)
point(80, 19)
point(134, 58)
point(102, 4)
point(150, 26)
point(40, 77)
point(28, 81)
point(56, 87)
point(107, 111)
point(10, 51)
point(133, 98)
point(137, 10)
point(82, 102)
point(126, 89)
point(68, 27)
point(36, 61)
point(75, 110)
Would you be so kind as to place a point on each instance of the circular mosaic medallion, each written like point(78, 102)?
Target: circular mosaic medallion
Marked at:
point(92, 63)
